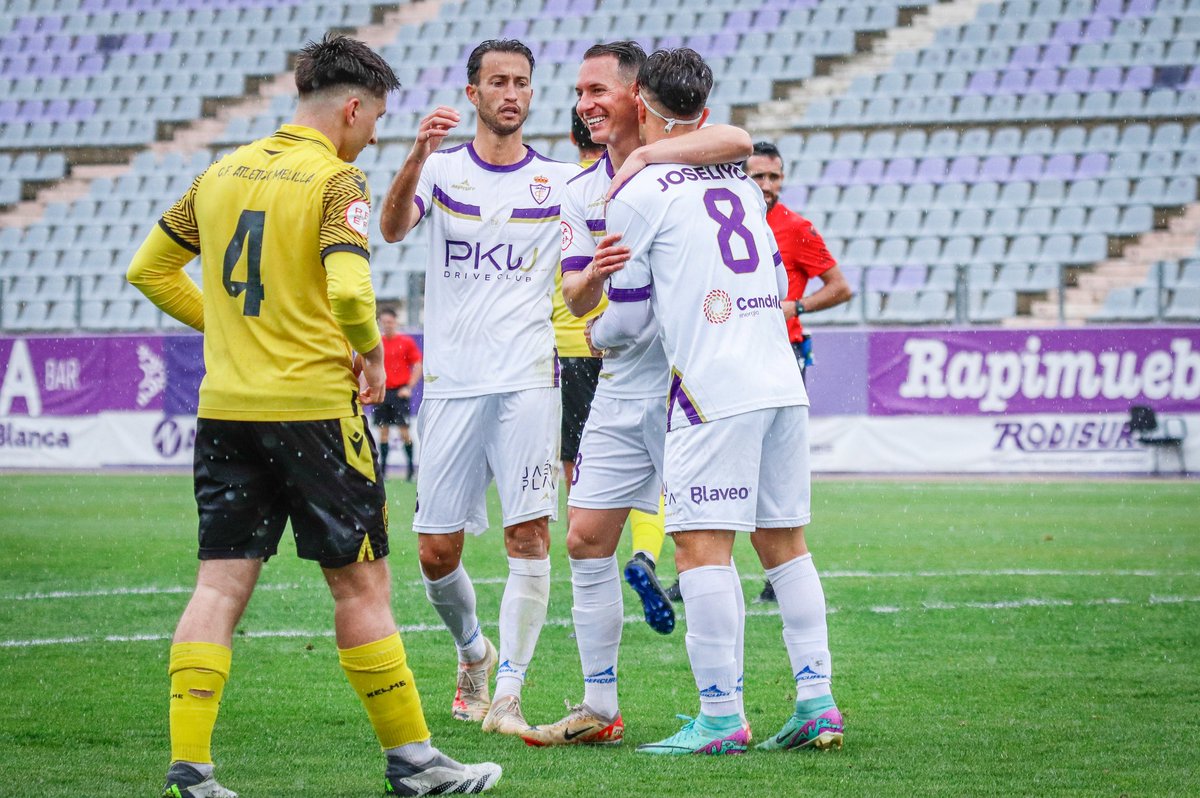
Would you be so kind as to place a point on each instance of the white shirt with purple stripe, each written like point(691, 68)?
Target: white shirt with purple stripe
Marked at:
point(495, 241)
point(702, 253)
point(637, 368)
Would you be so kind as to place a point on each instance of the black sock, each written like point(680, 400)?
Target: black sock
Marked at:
point(408, 454)
point(383, 453)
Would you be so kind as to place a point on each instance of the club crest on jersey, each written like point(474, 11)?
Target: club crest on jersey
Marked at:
point(717, 306)
point(540, 189)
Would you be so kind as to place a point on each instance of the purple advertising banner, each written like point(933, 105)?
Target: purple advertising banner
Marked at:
point(984, 372)
point(80, 376)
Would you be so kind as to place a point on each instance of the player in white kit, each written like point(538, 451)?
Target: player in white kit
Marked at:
point(619, 465)
point(491, 401)
point(736, 456)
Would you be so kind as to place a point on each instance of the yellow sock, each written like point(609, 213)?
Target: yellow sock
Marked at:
point(379, 673)
point(647, 531)
point(198, 673)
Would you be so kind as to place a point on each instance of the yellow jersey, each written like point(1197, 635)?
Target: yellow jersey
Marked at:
point(568, 328)
point(263, 219)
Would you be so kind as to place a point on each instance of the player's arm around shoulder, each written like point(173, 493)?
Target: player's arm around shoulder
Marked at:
point(399, 213)
point(708, 146)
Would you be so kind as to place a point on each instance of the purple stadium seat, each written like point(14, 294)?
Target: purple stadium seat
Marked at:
point(1098, 29)
point(57, 110)
point(1056, 54)
point(837, 173)
point(701, 43)
point(899, 170)
point(1109, 8)
point(578, 48)
point(794, 196)
point(1106, 78)
point(724, 44)
point(8, 111)
point(554, 51)
point(910, 278)
point(581, 7)
point(1044, 80)
point(1194, 78)
point(1068, 31)
point(91, 64)
point(1013, 81)
point(59, 44)
point(1093, 165)
point(982, 82)
point(556, 8)
point(1061, 166)
point(669, 42)
point(931, 170)
point(766, 19)
point(738, 21)
point(963, 169)
point(879, 278)
point(1077, 79)
point(1141, 8)
point(1028, 167)
point(25, 25)
point(995, 169)
point(515, 28)
point(10, 45)
point(1140, 77)
point(868, 172)
point(1026, 56)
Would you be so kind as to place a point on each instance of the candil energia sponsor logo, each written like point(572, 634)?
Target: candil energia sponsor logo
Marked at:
point(717, 306)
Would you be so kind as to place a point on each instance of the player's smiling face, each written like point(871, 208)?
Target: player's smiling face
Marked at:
point(605, 101)
point(504, 92)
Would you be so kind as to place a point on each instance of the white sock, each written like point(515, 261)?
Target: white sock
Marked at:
point(522, 613)
point(712, 623)
point(802, 605)
point(739, 640)
point(418, 753)
point(598, 612)
point(453, 596)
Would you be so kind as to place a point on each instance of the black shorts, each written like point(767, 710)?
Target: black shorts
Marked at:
point(579, 378)
point(392, 411)
point(252, 477)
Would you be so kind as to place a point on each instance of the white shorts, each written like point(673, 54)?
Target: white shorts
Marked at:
point(740, 473)
point(464, 442)
point(620, 458)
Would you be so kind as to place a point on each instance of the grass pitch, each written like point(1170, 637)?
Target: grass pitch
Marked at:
point(988, 638)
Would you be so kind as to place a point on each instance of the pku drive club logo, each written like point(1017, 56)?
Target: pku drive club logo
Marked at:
point(717, 306)
point(540, 189)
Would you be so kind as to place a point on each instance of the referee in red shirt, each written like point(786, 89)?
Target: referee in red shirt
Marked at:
point(402, 363)
point(804, 253)
point(805, 256)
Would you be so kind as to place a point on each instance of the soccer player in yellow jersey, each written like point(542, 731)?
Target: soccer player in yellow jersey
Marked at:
point(281, 226)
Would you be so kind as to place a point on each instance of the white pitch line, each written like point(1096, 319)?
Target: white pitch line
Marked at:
point(628, 620)
point(152, 590)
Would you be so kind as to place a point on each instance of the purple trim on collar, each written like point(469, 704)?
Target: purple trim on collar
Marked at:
point(455, 205)
point(536, 213)
point(597, 225)
point(593, 166)
point(575, 263)
point(629, 294)
point(489, 167)
point(608, 167)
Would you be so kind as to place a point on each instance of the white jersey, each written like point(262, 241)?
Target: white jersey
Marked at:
point(637, 370)
point(494, 245)
point(701, 248)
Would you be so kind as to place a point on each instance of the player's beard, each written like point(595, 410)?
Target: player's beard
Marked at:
point(493, 122)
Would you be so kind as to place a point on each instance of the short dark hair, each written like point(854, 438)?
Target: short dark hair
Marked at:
point(338, 60)
point(475, 59)
point(580, 133)
point(764, 148)
point(629, 54)
point(387, 310)
point(678, 79)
